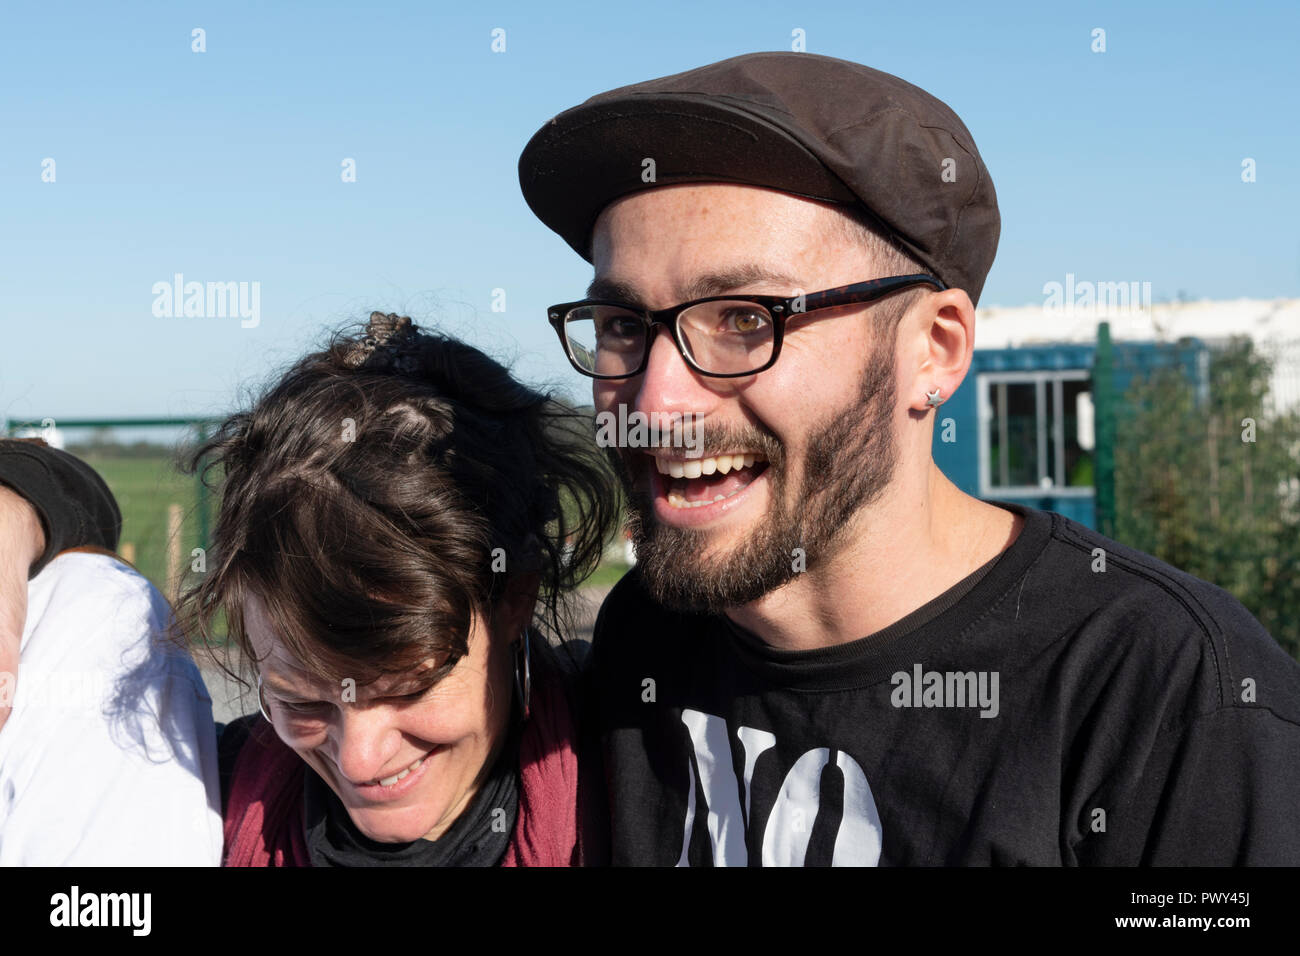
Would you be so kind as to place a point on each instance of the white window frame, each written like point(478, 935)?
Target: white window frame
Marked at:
point(1042, 379)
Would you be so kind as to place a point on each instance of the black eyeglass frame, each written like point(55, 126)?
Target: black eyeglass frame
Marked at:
point(781, 308)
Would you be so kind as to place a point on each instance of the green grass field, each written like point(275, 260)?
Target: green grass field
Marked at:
point(144, 488)
point(607, 575)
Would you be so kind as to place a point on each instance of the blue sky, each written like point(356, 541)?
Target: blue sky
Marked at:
point(225, 165)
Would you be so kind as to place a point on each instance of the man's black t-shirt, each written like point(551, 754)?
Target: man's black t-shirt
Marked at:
point(1073, 702)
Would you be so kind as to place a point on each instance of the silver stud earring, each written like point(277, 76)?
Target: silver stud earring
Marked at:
point(933, 399)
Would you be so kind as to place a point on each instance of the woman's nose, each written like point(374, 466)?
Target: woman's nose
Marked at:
point(367, 742)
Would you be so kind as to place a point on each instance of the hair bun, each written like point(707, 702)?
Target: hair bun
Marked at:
point(389, 328)
point(389, 343)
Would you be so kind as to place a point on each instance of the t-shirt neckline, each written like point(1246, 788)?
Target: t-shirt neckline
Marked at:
point(900, 645)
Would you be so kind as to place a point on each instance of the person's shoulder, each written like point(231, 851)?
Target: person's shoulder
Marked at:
point(97, 601)
point(630, 614)
point(81, 579)
point(231, 739)
point(1147, 588)
point(1143, 620)
point(630, 602)
point(104, 568)
point(93, 613)
point(627, 590)
point(248, 748)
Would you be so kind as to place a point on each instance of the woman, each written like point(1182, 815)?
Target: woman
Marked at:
point(400, 519)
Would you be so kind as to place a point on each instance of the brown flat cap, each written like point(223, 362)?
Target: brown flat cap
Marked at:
point(805, 124)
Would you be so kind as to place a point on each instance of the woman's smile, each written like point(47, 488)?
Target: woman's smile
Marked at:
point(397, 785)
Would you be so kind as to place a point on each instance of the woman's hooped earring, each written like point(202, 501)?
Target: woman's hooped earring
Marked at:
point(523, 674)
point(260, 705)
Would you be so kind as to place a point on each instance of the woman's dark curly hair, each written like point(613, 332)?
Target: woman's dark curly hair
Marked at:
point(386, 490)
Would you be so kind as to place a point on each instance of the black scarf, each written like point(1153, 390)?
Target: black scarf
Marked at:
point(472, 840)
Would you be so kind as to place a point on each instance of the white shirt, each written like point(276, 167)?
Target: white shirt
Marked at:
point(109, 757)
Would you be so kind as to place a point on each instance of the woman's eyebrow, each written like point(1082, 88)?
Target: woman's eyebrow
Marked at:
point(272, 680)
point(283, 690)
point(404, 685)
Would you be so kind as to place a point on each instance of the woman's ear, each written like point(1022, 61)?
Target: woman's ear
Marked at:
point(520, 600)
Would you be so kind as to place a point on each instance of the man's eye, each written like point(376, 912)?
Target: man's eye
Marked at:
point(744, 320)
point(620, 327)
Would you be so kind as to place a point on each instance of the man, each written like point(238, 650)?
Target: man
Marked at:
point(827, 653)
point(107, 746)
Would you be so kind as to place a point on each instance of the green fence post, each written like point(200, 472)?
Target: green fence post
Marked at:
point(1103, 392)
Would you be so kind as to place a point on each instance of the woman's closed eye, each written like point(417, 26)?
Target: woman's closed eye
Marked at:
point(319, 708)
point(305, 706)
point(314, 707)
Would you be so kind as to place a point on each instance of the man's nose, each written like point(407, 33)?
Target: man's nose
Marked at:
point(668, 384)
point(367, 742)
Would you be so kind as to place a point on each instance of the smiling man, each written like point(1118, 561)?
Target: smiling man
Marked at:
point(828, 654)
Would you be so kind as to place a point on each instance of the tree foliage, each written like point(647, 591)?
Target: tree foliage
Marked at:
point(1194, 491)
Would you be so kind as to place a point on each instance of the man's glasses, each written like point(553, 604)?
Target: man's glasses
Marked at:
point(720, 336)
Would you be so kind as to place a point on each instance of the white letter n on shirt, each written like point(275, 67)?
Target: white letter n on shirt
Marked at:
point(858, 836)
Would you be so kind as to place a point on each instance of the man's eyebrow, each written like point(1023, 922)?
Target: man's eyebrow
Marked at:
point(701, 287)
point(605, 288)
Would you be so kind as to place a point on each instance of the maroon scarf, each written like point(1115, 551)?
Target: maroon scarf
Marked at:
point(265, 826)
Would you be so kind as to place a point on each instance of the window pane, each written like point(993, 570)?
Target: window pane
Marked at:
point(1078, 460)
point(1013, 434)
point(1051, 428)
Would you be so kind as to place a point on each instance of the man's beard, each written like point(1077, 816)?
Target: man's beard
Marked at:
point(848, 463)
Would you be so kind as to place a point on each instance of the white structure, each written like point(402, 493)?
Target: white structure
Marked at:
point(52, 435)
point(1272, 324)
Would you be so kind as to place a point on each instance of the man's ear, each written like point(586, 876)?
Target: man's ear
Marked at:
point(947, 349)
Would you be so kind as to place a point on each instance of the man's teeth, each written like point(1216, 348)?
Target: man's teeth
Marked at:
point(677, 501)
point(389, 781)
point(693, 468)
